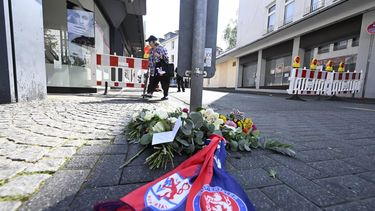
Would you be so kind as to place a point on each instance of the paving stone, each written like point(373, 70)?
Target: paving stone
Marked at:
point(260, 201)
point(308, 189)
point(318, 155)
point(87, 198)
point(82, 162)
point(100, 176)
point(9, 205)
point(349, 187)
point(363, 161)
point(74, 143)
point(61, 152)
point(120, 139)
point(58, 192)
point(46, 165)
point(255, 178)
point(287, 199)
point(98, 150)
point(23, 185)
point(98, 142)
point(27, 153)
point(298, 166)
point(336, 167)
point(367, 204)
point(369, 176)
point(136, 174)
point(252, 162)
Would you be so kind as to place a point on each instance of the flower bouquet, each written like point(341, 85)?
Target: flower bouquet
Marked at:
point(240, 133)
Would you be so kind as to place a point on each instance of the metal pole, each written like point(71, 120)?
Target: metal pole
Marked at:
point(367, 65)
point(197, 63)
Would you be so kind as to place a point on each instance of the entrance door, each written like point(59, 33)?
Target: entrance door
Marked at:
point(249, 71)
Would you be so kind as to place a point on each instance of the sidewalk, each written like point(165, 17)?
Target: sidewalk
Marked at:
point(64, 153)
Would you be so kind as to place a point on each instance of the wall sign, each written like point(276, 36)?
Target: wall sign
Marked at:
point(371, 28)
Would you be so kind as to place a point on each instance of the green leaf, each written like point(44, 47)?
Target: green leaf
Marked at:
point(197, 119)
point(272, 173)
point(218, 132)
point(234, 146)
point(182, 141)
point(187, 127)
point(241, 145)
point(146, 139)
point(247, 147)
point(191, 149)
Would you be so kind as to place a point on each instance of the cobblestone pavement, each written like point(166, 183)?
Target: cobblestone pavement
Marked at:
point(38, 138)
point(80, 139)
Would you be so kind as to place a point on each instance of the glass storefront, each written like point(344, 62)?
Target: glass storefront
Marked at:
point(75, 31)
point(278, 70)
point(249, 71)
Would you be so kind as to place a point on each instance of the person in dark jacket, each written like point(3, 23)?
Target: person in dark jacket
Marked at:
point(180, 82)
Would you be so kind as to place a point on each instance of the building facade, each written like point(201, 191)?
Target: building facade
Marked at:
point(321, 29)
point(170, 43)
point(51, 46)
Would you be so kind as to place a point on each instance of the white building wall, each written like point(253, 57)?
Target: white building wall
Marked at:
point(172, 50)
point(253, 17)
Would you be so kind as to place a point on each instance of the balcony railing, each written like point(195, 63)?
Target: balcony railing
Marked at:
point(313, 7)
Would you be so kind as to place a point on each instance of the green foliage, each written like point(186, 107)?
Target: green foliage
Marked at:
point(230, 34)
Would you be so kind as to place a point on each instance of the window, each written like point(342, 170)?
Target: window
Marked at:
point(340, 45)
point(172, 58)
point(172, 44)
point(323, 49)
point(271, 18)
point(355, 41)
point(288, 13)
point(316, 4)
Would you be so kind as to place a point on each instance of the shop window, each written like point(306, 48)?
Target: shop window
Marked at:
point(278, 71)
point(355, 41)
point(249, 71)
point(340, 45)
point(271, 18)
point(289, 9)
point(323, 49)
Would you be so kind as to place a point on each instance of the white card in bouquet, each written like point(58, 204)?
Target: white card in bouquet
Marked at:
point(166, 137)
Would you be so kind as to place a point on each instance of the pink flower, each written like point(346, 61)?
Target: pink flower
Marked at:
point(231, 123)
point(254, 127)
point(185, 110)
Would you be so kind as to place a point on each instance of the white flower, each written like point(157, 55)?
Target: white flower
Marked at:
point(158, 127)
point(184, 115)
point(148, 115)
point(209, 112)
point(135, 116)
point(172, 119)
point(161, 114)
point(217, 123)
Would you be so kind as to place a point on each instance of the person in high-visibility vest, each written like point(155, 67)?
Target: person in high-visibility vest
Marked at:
point(341, 67)
point(313, 64)
point(329, 66)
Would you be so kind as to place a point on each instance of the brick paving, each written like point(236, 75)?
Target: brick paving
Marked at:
point(69, 149)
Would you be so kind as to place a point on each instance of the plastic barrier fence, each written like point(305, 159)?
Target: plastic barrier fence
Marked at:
point(310, 82)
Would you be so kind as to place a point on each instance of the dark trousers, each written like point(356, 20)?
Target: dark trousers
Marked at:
point(154, 81)
point(180, 83)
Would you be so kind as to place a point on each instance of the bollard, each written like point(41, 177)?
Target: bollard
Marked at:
point(105, 88)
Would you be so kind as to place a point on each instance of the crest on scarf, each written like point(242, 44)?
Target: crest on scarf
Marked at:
point(168, 193)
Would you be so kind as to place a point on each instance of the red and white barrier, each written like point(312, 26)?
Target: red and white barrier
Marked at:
point(121, 71)
point(310, 82)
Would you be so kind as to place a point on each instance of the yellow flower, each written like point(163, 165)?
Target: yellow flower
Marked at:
point(239, 123)
point(223, 117)
point(248, 123)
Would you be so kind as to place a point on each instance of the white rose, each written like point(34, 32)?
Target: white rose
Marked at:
point(158, 127)
point(184, 115)
point(209, 112)
point(172, 119)
point(162, 114)
point(217, 124)
point(148, 116)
